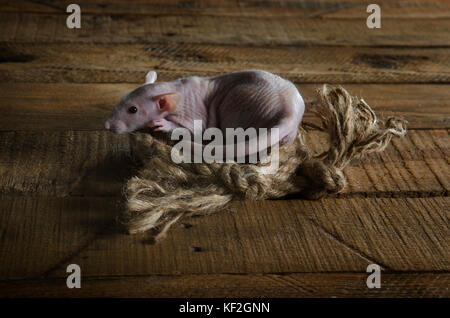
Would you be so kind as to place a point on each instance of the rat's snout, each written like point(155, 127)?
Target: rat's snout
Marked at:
point(117, 127)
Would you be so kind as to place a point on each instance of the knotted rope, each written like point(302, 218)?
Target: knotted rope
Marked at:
point(163, 191)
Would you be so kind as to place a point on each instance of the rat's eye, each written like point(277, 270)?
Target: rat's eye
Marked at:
point(132, 110)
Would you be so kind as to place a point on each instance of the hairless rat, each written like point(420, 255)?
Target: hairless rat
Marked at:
point(243, 99)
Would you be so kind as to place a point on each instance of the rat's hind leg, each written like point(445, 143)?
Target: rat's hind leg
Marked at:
point(289, 138)
point(287, 130)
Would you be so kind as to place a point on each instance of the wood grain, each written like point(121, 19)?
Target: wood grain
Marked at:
point(417, 165)
point(98, 164)
point(50, 28)
point(54, 106)
point(405, 285)
point(416, 235)
point(61, 174)
point(42, 235)
point(240, 8)
point(117, 63)
point(64, 163)
point(39, 233)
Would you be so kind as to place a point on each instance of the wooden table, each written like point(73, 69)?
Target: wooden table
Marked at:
point(61, 174)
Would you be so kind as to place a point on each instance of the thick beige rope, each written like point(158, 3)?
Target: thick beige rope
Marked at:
point(163, 191)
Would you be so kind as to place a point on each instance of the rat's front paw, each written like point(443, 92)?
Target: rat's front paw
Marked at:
point(162, 125)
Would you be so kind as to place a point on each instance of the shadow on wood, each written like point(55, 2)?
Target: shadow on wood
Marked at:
point(108, 176)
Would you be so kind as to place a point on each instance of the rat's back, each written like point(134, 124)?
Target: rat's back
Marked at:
point(255, 98)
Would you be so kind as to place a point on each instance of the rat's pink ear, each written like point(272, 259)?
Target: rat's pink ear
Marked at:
point(150, 78)
point(167, 102)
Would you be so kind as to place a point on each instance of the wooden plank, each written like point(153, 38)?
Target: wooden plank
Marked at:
point(98, 163)
point(231, 8)
point(417, 165)
point(405, 285)
point(417, 229)
point(50, 28)
point(89, 63)
point(55, 106)
point(85, 107)
point(36, 234)
point(439, 145)
point(41, 236)
point(65, 163)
